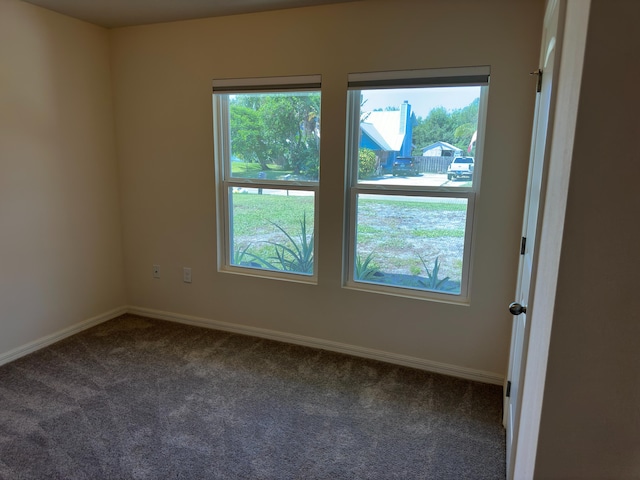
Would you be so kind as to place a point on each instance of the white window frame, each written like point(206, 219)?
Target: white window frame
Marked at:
point(449, 77)
point(225, 182)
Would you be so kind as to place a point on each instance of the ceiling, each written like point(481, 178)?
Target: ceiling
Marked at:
point(121, 13)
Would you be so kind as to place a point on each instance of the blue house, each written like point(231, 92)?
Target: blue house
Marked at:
point(389, 134)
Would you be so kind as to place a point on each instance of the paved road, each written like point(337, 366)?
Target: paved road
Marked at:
point(424, 179)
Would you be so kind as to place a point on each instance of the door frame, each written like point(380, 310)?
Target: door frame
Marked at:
point(572, 32)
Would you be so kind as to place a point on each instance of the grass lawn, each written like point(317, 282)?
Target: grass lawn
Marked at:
point(396, 233)
point(253, 213)
point(252, 170)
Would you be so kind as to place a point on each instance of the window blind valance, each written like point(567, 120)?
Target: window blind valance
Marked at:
point(267, 84)
point(437, 77)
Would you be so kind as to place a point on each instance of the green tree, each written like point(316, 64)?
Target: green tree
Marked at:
point(436, 127)
point(466, 120)
point(455, 127)
point(246, 135)
point(283, 129)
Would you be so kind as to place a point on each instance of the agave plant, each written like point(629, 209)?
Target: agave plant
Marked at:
point(296, 255)
point(240, 254)
point(432, 281)
point(365, 269)
point(243, 257)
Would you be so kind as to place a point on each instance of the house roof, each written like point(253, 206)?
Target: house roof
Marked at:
point(388, 126)
point(375, 136)
point(444, 145)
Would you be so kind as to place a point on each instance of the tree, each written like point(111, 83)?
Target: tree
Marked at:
point(466, 120)
point(281, 128)
point(438, 126)
point(246, 135)
point(455, 127)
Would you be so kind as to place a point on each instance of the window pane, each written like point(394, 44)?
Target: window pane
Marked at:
point(411, 242)
point(275, 136)
point(418, 136)
point(272, 229)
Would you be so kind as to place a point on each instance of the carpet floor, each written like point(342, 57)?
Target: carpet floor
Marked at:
point(135, 398)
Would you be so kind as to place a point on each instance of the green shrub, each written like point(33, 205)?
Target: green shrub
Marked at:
point(367, 163)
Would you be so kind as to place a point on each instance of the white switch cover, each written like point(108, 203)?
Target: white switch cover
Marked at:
point(186, 274)
point(156, 271)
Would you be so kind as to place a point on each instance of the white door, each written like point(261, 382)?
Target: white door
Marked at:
point(533, 205)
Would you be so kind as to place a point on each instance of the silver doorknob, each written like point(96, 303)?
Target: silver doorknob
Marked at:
point(516, 309)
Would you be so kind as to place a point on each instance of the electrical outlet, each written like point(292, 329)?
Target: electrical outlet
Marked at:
point(186, 274)
point(156, 271)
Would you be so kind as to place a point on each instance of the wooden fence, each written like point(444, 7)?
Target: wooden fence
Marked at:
point(432, 164)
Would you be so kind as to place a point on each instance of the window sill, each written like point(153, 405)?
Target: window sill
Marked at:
point(271, 275)
point(409, 293)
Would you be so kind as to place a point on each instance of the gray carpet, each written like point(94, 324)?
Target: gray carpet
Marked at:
point(135, 398)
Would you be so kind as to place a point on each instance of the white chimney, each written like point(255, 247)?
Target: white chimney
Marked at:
point(403, 116)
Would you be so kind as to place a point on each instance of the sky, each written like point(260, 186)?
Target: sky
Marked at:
point(422, 100)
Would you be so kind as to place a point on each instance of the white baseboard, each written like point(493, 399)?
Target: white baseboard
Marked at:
point(407, 361)
point(57, 336)
point(389, 357)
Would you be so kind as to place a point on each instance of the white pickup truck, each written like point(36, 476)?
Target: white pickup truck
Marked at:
point(461, 167)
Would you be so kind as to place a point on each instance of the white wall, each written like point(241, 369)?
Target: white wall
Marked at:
point(162, 84)
point(590, 425)
point(60, 238)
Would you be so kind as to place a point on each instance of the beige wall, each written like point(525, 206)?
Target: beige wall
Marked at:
point(60, 237)
point(590, 426)
point(60, 254)
point(162, 84)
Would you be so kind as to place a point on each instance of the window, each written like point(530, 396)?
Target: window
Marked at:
point(414, 157)
point(267, 135)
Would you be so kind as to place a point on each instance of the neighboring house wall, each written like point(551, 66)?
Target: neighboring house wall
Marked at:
point(441, 149)
point(165, 151)
point(389, 134)
point(367, 142)
point(60, 234)
point(370, 138)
